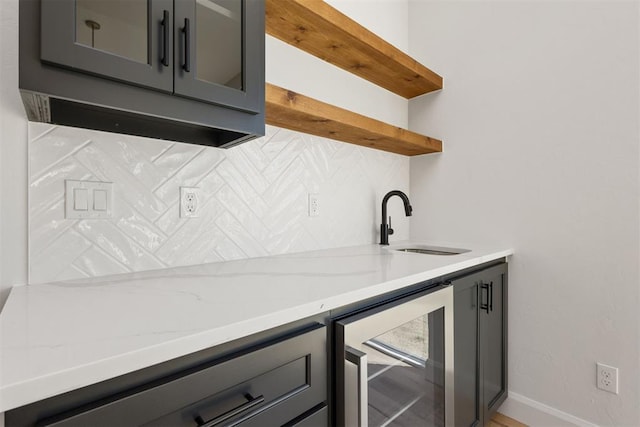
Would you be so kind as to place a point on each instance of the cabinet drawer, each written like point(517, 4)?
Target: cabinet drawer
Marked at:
point(315, 418)
point(267, 386)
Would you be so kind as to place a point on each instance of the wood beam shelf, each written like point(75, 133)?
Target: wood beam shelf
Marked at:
point(294, 111)
point(319, 29)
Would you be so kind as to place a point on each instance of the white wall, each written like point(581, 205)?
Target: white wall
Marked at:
point(539, 117)
point(13, 157)
point(388, 19)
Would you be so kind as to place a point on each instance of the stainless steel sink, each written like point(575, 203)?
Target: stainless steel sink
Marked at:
point(431, 250)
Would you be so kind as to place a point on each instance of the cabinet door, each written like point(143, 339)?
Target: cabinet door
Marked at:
point(493, 326)
point(466, 351)
point(220, 52)
point(126, 40)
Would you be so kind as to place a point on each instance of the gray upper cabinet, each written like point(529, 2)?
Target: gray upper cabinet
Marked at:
point(183, 70)
point(213, 58)
point(201, 49)
point(127, 40)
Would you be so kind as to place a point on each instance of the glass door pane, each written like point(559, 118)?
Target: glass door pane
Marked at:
point(119, 27)
point(219, 42)
point(405, 367)
point(125, 40)
point(220, 52)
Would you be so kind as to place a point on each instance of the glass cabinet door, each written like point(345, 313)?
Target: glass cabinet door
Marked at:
point(127, 40)
point(218, 51)
point(118, 27)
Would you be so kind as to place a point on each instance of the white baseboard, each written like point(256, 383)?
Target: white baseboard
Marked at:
point(536, 414)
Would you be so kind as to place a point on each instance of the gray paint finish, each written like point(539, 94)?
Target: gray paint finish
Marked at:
point(188, 84)
point(110, 105)
point(288, 371)
point(480, 301)
point(466, 357)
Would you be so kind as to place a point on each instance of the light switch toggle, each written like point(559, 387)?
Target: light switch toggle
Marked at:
point(88, 199)
point(100, 200)
point(80, 199)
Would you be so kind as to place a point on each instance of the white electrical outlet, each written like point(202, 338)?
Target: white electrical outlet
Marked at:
point(607, 378)
point(189, 202)
point(314, 204)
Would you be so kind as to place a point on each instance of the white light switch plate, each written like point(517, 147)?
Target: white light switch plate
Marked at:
point(95, 199)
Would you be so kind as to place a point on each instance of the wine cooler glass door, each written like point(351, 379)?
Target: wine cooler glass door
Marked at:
point(396, 363)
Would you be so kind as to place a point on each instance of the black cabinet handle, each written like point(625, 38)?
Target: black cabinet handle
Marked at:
point(484, 305)
point(186, 66)
point(253, 401)
point(165, 38)
point(491, 296)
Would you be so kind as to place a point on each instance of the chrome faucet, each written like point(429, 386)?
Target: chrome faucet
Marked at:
point(385, 229)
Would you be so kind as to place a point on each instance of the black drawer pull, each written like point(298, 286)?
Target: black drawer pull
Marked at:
point(484, 305)
point(491, 296)
point(253, 401)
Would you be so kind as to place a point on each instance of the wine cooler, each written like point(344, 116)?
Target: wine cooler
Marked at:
point(394, 363)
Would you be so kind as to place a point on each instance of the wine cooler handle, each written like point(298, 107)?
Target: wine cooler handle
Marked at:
point(359, 359)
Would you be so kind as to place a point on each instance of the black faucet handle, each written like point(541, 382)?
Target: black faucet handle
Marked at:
point(390, 230)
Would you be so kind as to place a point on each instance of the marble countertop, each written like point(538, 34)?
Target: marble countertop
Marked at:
point(60, 336)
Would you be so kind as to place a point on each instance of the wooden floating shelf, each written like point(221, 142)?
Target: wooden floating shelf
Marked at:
point(319, 29)
point(291, 110)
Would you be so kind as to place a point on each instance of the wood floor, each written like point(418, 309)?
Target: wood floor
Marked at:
point(500, 420)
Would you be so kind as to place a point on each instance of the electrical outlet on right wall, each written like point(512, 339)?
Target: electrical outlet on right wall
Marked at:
point(607, 378)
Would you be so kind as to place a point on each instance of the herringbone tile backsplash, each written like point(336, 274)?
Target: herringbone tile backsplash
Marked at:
point(254, 199)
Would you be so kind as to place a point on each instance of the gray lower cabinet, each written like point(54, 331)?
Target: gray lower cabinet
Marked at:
point(280, 383)
point(480, 311)
point(465, 301)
